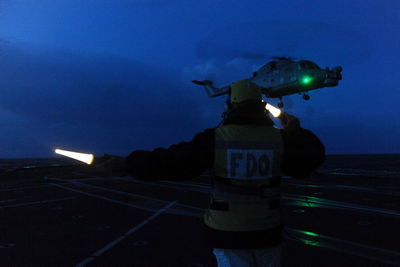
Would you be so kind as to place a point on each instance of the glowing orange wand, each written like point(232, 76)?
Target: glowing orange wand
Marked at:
point(276, 112)
point(86, 158)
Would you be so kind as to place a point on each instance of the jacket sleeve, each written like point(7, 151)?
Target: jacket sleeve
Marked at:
point(303, 153)
point(178, 162)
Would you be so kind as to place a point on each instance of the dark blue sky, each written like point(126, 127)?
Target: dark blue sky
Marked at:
point(115, 76)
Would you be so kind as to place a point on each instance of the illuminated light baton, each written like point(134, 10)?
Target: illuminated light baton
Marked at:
point(86, 158)
point(276, 112)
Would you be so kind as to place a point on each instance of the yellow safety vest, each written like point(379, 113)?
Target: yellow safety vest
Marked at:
point(247, 170)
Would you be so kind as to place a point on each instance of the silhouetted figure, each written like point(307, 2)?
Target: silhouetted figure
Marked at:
point(247, 156)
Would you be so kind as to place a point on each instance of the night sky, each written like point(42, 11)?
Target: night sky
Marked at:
point(108, 76)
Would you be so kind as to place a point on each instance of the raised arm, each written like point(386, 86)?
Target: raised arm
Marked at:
point(303, 151)
point(178, 162)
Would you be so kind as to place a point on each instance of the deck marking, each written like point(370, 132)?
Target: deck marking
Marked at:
point(196, 213)
point(344, 246)
point(113, 190)
point(119, 239)
point(326, 203)
point(346, 187)
point(357, 249)
point(126, 193)
point(8, 200)
point(103, 198)
point(22, 188)
point(206, 186)
point(323, 203)
point(135, 195)
point(36, 202)
point(83, 179)
point(160, 184)
point(300, 198)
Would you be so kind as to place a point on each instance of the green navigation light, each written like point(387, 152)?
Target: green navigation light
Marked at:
point(306, 80)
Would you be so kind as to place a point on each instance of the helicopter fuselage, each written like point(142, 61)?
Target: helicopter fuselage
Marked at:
point(285, 77)
point(278, 79)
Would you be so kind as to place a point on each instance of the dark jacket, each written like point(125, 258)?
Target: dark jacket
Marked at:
point(303, 153)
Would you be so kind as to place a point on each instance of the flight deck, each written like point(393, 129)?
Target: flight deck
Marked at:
point(72, 216)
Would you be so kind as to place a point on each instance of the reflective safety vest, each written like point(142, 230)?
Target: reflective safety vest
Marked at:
point(247, 175)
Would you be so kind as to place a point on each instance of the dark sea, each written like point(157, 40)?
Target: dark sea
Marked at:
point(379, 165)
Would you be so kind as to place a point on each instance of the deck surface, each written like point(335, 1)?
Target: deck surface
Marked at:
point(69, 217)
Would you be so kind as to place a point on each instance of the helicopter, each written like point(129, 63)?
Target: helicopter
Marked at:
point(284, 76)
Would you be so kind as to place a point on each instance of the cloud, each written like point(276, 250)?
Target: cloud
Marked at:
point(259, 40)
point(100, 102)
point(54, 85)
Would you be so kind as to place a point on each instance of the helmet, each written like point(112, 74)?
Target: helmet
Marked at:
point(244, 90)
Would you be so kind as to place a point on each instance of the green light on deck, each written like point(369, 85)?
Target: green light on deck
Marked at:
point(306, 80)
point(309, 233)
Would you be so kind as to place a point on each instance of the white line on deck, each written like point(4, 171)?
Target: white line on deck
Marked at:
point(160, 184)
point(8, 200)
point(119, 239)
point(344, 246)
point(111, 190)
point(36, 202)
point(103, 198)
point(326, 203)
point(194, 211)
point(357, 249)
point(321, 202)
point(204, 186)
point(347, 187)
point(134, 195)
point(22, 188)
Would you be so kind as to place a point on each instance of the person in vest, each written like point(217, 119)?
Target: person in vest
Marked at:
point(247, 156)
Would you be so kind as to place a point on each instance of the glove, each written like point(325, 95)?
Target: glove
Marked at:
point(289, 122)
point(111, 165)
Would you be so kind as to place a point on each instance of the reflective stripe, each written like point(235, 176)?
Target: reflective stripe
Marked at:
point(243, 215)
point(273, 203)
point(267, 193)
point(245, 193)
point(247, 170)
point(270, 182)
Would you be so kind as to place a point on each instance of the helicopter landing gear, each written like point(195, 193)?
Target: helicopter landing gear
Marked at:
point(306, 97)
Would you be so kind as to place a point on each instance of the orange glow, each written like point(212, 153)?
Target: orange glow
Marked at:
point(86, 158)
point(273, 110)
